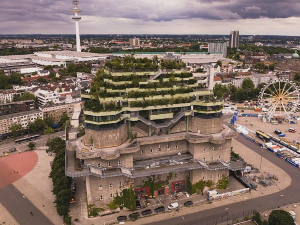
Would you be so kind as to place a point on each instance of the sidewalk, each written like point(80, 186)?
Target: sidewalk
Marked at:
point(6, 218)
point(37, 187)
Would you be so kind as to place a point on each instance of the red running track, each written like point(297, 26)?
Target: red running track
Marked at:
point(16, 166)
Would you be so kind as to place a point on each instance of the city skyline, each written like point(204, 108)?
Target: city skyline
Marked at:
point(155, 17)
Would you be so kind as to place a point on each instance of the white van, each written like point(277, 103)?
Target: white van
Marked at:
point(274, 122)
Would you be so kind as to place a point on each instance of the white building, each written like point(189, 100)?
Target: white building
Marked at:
point(23, 118)
point(257, 79)
point(7, 95)
point(45, 97)
point(134, 41)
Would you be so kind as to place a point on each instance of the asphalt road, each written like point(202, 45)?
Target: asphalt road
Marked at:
point(268, 202)
point(20, 207)
point(23, 146)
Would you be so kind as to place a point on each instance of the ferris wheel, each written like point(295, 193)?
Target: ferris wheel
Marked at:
point(279, 99)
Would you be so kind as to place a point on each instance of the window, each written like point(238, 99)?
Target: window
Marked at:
point(99, 165)
point(151, 150)
point(211, 176)
point(159, 149)
point(212, 148)
point(176, 147)
point(219, 157)
point(111, 195)
point(109, 164)
point(101, 198)
point(110, 185)
point(168, 146)
point(121, 185)
point(220, 147)
point(175, 175)
point(142, 151)
point(119, 163)
point(100, 187)
point(218, 175)
point(212, 158)
point(205, 149)
point(204, 159)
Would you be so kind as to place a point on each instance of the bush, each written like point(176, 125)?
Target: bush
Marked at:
point(280, 217)
point(256, 218)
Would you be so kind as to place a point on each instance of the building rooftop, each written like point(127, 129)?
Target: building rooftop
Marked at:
point(25, 113)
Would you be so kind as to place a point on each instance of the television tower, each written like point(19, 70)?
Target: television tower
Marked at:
point(76, 10)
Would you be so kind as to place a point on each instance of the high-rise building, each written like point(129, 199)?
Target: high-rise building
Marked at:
point(134, 41)
point(234, 39)
point(76, 18)
point(173, 137)
point(218, 47)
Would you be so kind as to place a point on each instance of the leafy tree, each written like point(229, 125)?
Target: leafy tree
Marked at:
point(42, 80)
point(297, 77)
point(221, 91)
point(199, 70)
point(62, 201)
point(260, 66)
point(16, 129)
point(49, 121)
point(64, 118)
point(248, 84)
point(37, 125)
point(48, 130)
point(219, 63)
point(280, 217)
point(126, 199)
point(272, 66)
point(6, 82)
point(31, 145)
point(24, 97)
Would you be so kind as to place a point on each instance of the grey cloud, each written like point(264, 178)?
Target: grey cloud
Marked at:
point(43, 11)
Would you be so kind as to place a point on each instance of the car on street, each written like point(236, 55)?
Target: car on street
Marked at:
point(134, 216)
point(292, 130)
point(173, 206)
point(146, 212)
point(121, 218)
point(159, 209)
point(138, 204)
point(277, 131)
point(188, 203)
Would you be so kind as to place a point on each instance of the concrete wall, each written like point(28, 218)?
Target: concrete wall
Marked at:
point(206, 126)
point(107, 138)
point(180, 127)
point(211, 152)
point(202, 174)
point(161, 149)
point(126, 160)
point(101, 187)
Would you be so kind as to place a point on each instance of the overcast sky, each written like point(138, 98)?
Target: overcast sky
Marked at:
point(281, 17)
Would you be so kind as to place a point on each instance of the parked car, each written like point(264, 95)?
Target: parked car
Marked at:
point(134, 216)
point(292, 130)
point(277, 131)
point(146, 212)
point(160, 209)
point(173, 205)
point(138, 204)
point(188, 203)
point(121, 218)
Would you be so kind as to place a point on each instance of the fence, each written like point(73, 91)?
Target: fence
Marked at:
point(222, 218)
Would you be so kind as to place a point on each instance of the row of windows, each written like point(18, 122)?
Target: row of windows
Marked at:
point(213, 148)
point(212, 158)
point(159, 149)
point(110, 186)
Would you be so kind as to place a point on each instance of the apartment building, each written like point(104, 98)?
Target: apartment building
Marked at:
point(45, 97)
point(15, 107)
point(23, 118)
point(56, 111)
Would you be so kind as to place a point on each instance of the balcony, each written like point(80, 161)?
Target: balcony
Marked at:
point(161, 116)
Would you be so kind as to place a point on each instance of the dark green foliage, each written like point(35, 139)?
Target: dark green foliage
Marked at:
point(126, 199)
point(36, 126)
point(42, 80)
point(130, 63)
point(61, 183)
point(199, 186)
point(31, 145)
point(24, 97)
point(170, 64)
point(16, 129)
point(256, 218)
point(6, 82)
point(223, 183)
point(280, 217)
point(64, 118)
point(72, 69)
point(221, 91)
